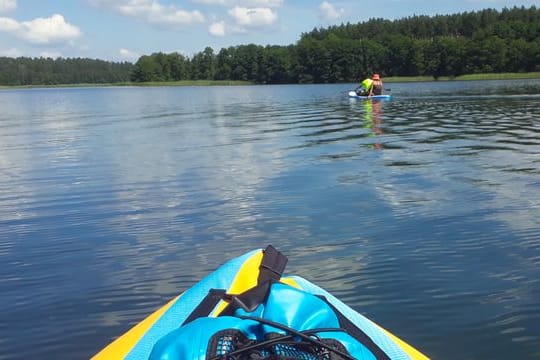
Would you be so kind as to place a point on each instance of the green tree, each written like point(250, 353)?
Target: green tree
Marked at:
point(203, 65)
point(146, 69)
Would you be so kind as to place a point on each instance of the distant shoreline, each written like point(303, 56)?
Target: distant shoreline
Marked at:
point(468, 77)
point(137, 84)
point(393, 79)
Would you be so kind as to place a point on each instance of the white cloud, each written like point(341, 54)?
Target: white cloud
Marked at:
point(13, 52)
point(128, 55)
point(41, 30)
point(251, 3)
point(252, 17)
point(8, 25)
point(264, 3)
point(212, 2)
point(217, 29)
point(152, 11)
point(7, 5)
point(329, 11)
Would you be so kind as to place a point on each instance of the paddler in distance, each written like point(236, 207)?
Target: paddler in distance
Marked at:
point(370, 87)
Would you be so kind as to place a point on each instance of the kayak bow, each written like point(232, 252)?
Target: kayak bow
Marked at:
point(248, 308)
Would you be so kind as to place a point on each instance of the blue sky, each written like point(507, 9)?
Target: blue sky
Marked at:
point(122, 30)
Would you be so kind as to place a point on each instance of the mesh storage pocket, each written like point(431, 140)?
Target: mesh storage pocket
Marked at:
point(233, 341)
point(226, 341)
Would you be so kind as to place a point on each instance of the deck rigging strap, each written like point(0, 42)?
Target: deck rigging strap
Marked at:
point(302, 335)
point(356, 332)
point(209, 302)
point(272, 265)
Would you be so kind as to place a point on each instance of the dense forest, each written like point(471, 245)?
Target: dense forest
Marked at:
point(487, 41)
point(47, 71)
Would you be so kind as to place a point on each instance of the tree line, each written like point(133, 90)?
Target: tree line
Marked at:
point(48, 71)
point(484, 41)
point(445, 45)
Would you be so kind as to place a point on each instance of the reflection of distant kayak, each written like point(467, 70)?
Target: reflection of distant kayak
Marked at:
point(353, 94)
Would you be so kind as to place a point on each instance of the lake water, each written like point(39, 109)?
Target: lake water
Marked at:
point(422, 212)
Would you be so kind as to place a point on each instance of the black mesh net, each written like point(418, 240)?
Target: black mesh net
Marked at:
point(229, 345)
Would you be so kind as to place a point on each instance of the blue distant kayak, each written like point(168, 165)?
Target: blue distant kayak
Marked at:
point(353, 94)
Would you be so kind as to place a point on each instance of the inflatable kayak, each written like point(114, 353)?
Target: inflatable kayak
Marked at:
point(247, 309)
point(353, 94)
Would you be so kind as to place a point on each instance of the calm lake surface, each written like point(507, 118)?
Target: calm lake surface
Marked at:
point(422, 212)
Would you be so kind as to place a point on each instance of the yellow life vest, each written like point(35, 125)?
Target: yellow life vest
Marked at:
point(366, 84)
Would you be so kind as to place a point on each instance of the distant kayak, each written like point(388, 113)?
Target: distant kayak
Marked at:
point(248, 309)
point(352, 94)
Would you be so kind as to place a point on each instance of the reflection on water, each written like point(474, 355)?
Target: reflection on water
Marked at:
point(420, 212)
point(372, 118)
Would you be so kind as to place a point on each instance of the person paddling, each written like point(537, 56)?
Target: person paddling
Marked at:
point(370, 87)
point(376, 85)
